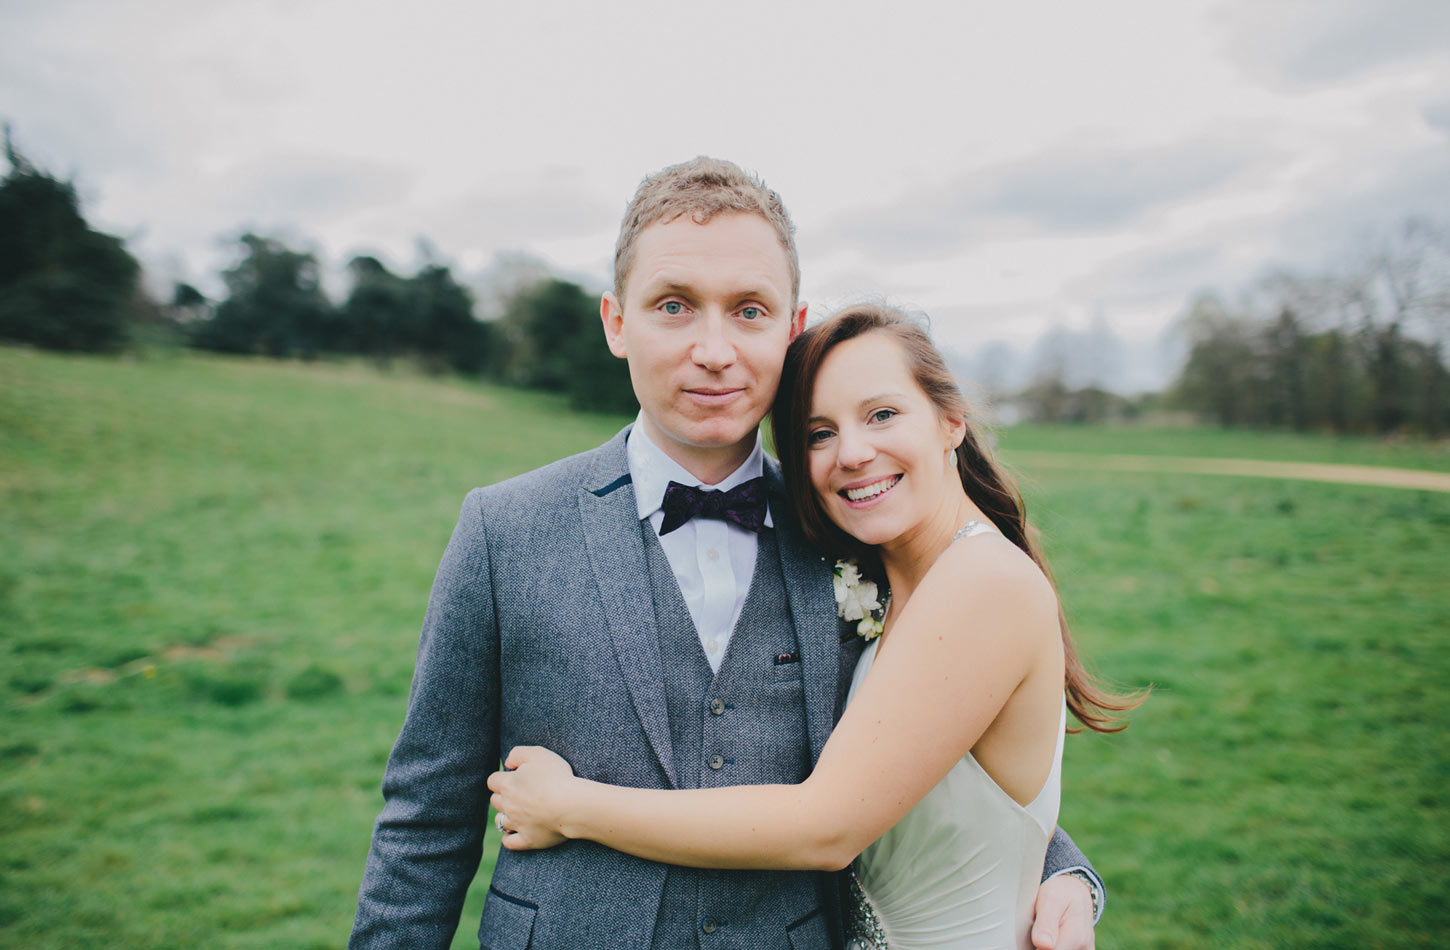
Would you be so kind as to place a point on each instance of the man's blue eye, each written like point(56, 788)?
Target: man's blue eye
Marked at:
point(674, 308)
point(750, 313)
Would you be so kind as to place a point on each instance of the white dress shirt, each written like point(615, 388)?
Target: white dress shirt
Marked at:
point(713, 561)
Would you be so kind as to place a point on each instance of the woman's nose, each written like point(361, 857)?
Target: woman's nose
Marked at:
point(853, 449)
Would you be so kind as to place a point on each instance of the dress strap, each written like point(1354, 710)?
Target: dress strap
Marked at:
point(973, 527)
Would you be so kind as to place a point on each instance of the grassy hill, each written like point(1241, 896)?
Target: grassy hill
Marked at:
point(214, 571)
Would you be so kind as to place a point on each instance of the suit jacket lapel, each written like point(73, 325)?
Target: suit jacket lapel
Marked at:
point(812, 610)
point(616, 552)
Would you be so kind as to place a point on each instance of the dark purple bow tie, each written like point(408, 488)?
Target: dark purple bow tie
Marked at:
point(743, 505)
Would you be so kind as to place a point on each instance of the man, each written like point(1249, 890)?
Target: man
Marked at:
point(650, 633)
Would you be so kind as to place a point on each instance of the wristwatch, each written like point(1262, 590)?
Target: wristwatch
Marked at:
point(1092, 887)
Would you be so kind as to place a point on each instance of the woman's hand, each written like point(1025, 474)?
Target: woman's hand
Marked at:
point(529, 797)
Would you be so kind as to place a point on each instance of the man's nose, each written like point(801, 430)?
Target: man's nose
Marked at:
point(713, 348)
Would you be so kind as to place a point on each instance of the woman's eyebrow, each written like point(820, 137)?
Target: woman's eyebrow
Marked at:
point(879, 397)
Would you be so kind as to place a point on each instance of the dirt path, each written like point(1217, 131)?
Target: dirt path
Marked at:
point(1304, 471)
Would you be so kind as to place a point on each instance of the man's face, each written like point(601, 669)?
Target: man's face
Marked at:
point(706, 319)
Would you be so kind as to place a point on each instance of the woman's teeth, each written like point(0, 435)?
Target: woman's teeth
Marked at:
point(871, 490)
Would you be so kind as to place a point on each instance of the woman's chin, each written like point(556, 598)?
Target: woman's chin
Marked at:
point(867, 530)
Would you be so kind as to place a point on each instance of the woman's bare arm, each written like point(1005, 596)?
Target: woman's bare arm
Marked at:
point(980, 621)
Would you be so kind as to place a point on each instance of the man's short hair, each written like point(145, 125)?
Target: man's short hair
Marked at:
point(701, 188)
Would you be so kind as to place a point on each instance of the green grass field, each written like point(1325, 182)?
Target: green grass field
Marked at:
point(1218, 443)
point(214, 571)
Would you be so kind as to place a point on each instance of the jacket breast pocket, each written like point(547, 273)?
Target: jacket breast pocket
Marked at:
point(784, 667)
point(507, 924)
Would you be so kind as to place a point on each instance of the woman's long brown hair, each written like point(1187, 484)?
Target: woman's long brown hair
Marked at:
point(986, 483)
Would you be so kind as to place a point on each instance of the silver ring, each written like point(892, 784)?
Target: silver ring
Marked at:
point(498, 821)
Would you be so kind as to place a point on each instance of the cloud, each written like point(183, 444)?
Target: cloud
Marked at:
point(1070, 191)
point(1437, 116)
point(1315, 42)
point(1415, 185)
point(307, 189)
point(1070, 188)
point(521, 210)
point(1181, 267)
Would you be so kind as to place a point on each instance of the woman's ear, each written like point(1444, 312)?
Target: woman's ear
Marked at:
point(956, 431)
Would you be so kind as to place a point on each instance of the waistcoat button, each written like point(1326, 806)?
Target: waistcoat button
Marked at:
point(709, 925)
point(717, 761)
point(717, 706)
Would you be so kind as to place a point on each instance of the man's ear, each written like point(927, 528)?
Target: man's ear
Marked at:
point(612, 316)
point(798, 320)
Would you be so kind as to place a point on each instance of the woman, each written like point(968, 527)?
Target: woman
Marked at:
point(942, 774)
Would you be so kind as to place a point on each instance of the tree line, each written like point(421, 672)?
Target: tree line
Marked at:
point(66, 286)
point(1361, 350)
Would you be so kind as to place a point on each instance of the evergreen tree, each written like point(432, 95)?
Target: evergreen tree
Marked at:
point(63, 285)
point(275, 305)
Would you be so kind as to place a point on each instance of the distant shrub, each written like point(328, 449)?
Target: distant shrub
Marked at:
point(79, 702)
point(229, 689)
point(19, 751)
point(30, 682)
point(313, 683)
point(214, 813)
point(123, 656)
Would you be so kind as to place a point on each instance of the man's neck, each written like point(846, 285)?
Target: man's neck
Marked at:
point(710, 464)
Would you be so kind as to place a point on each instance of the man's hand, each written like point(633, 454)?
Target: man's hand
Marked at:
point(1064, 915)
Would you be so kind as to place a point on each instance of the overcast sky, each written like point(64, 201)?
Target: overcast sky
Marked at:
point(1005, 167)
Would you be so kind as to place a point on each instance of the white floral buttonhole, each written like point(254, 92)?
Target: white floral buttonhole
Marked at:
point(856, 599)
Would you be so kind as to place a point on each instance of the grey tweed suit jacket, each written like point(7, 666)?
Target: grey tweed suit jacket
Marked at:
point(540, 630)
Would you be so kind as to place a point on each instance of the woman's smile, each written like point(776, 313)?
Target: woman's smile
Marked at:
point(867, 494)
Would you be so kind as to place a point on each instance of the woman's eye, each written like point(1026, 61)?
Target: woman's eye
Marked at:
point(881, 415)
point(674, 308)
point(750, 313)
point(818, 436)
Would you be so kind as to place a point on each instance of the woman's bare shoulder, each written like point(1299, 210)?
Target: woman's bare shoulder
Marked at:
point(987, 575)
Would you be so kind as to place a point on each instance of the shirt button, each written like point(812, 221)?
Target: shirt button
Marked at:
point(717, 761)
point(717, 706)
point(709, 925)
point(711, 645)
point(713, 554)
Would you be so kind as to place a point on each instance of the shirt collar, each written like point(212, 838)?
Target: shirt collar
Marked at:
point(651, 471)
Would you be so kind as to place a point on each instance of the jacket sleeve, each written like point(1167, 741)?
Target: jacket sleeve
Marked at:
point(428, 839)
point(1063, 855)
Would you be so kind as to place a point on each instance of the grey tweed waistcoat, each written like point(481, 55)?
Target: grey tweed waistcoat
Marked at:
point(726, 729)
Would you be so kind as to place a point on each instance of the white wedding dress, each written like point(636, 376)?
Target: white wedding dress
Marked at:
point(961, 870)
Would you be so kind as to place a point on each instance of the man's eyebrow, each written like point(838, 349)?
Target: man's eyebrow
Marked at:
point(654, 290)
point(668, 288)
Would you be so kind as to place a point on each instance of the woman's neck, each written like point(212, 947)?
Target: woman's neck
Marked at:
point(906, 559)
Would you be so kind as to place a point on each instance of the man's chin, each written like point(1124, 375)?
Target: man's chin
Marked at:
point(722, 439)
point(712, 429)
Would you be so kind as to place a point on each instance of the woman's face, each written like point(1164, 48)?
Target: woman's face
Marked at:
point(876, 445)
